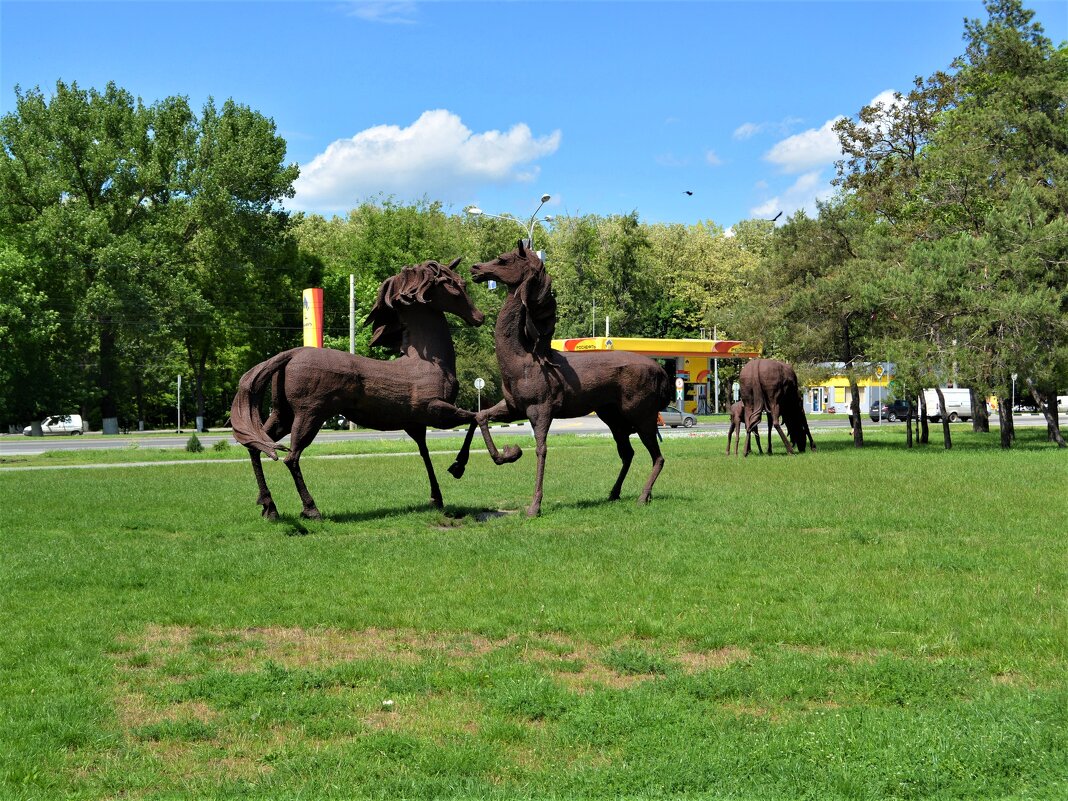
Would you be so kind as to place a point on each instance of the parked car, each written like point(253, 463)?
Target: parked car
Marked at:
point(674, 418)
point(891, 410)
point(58, 424)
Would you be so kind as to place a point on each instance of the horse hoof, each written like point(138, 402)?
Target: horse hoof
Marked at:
point(270, 511)
point(311, 514)
point(511, 453)
point(533, 511)
point(437, 503)
point(457, 469)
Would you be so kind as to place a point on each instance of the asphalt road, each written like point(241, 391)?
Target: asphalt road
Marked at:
point(15, 444)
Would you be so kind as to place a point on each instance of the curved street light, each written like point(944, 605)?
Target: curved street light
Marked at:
point(528, 229)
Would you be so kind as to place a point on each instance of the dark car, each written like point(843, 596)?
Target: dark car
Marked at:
point(674, 418)
point(890, 410)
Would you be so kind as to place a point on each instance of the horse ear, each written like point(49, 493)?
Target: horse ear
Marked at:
point(522, 249)
point(453, 264)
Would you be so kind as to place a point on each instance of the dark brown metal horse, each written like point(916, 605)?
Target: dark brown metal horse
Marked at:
point(540, 384)
point(312, 385)
point(771, 386)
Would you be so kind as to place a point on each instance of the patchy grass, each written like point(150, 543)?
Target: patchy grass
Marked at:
point(845, 624)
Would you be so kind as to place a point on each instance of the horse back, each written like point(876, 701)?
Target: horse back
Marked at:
point(634, 384)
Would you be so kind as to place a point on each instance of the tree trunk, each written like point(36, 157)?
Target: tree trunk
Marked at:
point(1051, 422)
point(1054, 428)
point(925, 432)
point(109, 409)
point(947, 441)
point(199, 378)
point(1005, 421)
point(908, 427)
point(980, 418)
point(854, 411)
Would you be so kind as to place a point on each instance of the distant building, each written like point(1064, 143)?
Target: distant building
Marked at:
point(833, 394)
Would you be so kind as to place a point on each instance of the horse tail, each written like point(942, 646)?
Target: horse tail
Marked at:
point(664, 383)
point(245, 411)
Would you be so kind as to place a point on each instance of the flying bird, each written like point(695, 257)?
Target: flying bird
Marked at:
point(777, 216)
point(688, 192)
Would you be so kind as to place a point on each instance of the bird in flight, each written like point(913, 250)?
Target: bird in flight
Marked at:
point(777, 216)
point(688, 192)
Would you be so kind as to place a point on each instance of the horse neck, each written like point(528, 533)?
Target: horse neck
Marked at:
point(427, 336)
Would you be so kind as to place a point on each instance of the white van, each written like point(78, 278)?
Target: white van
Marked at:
point(59, 424)
point(958, 403)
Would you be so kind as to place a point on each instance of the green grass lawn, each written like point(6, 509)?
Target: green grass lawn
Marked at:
point(880, 623)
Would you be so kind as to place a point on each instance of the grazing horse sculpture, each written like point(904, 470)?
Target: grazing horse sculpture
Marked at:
point(311, 385)
point(540, 384)
point(771, 386)
point(737, 426)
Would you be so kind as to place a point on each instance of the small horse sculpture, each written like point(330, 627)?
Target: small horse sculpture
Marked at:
point(738, 425)
point(771, 386)
point(540, 384)
point(311, 385)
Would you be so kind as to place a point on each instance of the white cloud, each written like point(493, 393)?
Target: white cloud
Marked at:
point(802, 194)
point(712, 160)
point(747, 130)
point(815, 147)
point(390, 13)
point(437, 155)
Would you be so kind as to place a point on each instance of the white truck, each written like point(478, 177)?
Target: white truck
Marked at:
point(59, 424)
point(958, 403)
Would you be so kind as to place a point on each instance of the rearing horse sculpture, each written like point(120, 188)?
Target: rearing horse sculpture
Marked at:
point(311, 385)
point(540, 384)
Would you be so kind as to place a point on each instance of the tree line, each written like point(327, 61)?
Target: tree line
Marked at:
point(142, 242)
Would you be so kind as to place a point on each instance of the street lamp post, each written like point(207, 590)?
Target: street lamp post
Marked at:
point(528, 228)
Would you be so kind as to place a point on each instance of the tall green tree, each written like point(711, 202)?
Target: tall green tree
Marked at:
point(141, 216)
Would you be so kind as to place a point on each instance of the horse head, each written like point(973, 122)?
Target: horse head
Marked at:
point(523, 272)
point(431, 285)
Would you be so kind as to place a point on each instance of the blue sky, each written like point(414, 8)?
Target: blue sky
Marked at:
point(607, 106)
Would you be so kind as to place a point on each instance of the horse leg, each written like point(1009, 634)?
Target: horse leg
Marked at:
point(647, 434)
point(418, 433)
point(276, 426)
point(270, 511)
point(511, 453)
point(459, 464)
point(730, 431)
point(773, 417)
point(621, 432)
point(760, 449)
point(304, 431)
point(503, 414)
point(540, 423)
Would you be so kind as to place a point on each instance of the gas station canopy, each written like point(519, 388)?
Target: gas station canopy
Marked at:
point(691, 348)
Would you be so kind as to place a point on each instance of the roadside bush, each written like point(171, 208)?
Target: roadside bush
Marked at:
point(193, 444)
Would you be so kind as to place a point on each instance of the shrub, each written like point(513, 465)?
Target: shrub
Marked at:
point(221, 445)
point(193, 444)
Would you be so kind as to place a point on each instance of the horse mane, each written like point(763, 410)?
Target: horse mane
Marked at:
point(537, 321)
point(406, 288)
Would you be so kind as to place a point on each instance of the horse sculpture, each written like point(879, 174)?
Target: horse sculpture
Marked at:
point(540, 384)
point(771, 386)
point(738, 426)
point(311, 385)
